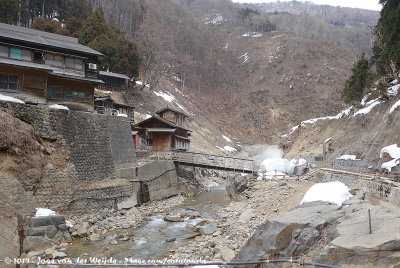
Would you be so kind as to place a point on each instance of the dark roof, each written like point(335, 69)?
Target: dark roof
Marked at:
point(115, 97)
point(31, 36)
point(117, 75)
point(172, 124)
point(172, 109)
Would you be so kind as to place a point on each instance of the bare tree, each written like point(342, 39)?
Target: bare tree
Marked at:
point(152, 65)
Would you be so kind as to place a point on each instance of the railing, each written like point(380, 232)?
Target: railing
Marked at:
point(209, 160)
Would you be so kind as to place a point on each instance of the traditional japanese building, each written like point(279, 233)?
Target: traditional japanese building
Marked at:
point(45, 68)
point(163, 132)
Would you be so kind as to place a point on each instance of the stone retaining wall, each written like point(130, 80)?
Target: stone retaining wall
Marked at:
point(374, 187)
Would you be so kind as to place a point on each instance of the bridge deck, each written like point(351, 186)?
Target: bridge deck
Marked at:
point(209, 161)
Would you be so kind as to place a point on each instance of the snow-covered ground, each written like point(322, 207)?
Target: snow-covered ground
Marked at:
point(332, 192)
point(394, 107)
point(366, 110)
point(347, 157)
point(58, 107)
point(252, 34)
point(10, 99)
point(226, 138)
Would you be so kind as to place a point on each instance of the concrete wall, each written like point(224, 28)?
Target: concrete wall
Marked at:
point(360, 166)
point(373, 187)
point(160, 178)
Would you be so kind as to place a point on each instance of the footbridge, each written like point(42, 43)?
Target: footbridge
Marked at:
point(209, 161)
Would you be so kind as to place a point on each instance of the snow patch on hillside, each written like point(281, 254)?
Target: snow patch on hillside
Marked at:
point(213, 19)
point(58, 107)
point(226, 138)
point(165, 95)
point(366, 110)
point(394, 107)
point(245, 57)
point(392, 91)
point(252, 34)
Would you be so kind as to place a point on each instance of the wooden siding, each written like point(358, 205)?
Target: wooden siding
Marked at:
point(162, 141)
point(30, 81)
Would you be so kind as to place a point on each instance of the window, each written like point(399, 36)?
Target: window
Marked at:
point(54, 60)
point(15, 53)
point(78, 96)
point(4, 51)
point(68, 96)
point(54, 92)
point(26, 55)
point(9, 82)
point(73, 63)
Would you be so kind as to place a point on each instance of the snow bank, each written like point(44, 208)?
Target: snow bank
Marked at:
point(394, 153)
point(392, 91)
point(394, 107)
point(367, 109)
point(103, 91)
point(10, 99)
point(58, 107)
point(347, 157)
point(165, 95)
point(122, 115)
point(69, 224)
point(391, 150)
point(43, 212)
point(390, 164)
point(332, 192)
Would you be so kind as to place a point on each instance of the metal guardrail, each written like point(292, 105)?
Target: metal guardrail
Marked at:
point(209, 160)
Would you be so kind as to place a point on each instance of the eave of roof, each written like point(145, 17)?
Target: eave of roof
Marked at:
point(159, 129)
point(31, 36)
point(79, 78)
point(164, 121)
point(25, 64)
point(117, 75)
point(172, 109)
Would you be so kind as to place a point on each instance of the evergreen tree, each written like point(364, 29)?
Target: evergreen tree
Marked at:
point(358, 81)
point(387, 45)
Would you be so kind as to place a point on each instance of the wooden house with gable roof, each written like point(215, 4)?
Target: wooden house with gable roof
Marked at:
point(163, 132)
point(45, 68)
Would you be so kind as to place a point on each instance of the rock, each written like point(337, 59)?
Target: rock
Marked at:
point(40, 221)
point(227, 253)
point(62, 227)
point(34, 231)
point(51, 231)
point(128, 203)
point(32, 254)
point(174, 218)
point(237, 185)
point(113, 242)
point(208, 229)
point(190, 236)
point(171, 239)
point(58, 237)
point(67, 237)
point(58, 220)
point(94, 237)
point(58, 254)
point(103, 214)
point(82, 229)
point(280, 184)
point(246, 215)
point(35, 243)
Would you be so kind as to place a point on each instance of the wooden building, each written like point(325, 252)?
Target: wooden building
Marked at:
point(45, 68)
point(173, 115)
point(113, 104)
point(113, 81)
point(158, 134)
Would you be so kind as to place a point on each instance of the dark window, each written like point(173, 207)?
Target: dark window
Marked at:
point(38, 57)
point(88, 98)
point(54, 92)
point(9, 82)
point(73, 63)
point(68, 95)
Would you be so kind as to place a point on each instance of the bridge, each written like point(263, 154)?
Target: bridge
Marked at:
point(209, 161)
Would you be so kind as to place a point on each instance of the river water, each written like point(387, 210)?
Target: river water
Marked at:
point(150, 239)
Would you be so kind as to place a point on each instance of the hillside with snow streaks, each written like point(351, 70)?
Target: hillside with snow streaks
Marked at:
point(357, 133)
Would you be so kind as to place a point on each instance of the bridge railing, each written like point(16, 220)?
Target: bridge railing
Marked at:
point(226, 162)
